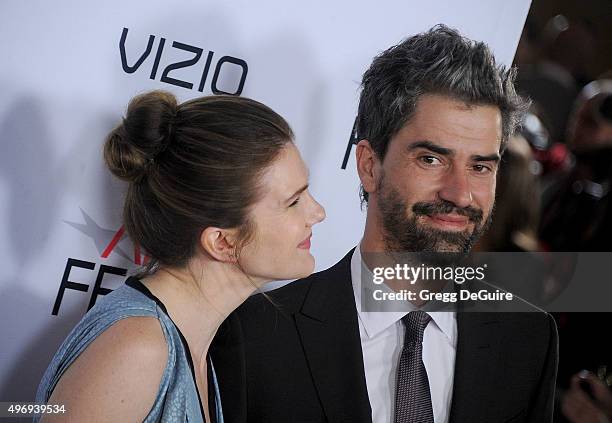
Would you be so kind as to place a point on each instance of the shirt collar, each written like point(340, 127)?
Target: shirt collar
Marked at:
point(375, 322)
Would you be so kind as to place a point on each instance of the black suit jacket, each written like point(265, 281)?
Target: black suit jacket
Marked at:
point(296, 357)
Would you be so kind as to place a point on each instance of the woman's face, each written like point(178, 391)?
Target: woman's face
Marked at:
point(283, 220)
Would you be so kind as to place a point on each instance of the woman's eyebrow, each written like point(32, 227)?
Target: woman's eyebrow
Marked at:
point(299, 191)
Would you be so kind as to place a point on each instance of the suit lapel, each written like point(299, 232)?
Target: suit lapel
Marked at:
point(478, 366)
point(329, 331)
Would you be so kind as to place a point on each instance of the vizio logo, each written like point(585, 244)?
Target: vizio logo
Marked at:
point(196, 53)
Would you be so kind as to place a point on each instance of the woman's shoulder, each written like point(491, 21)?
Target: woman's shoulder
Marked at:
point(118, 354)
point(125, 342)
point(122, 322)
point(135, 337)
point(122, 366)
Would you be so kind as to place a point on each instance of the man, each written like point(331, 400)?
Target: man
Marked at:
point(434, 115)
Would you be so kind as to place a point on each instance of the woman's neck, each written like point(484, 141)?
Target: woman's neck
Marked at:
point(199, 298)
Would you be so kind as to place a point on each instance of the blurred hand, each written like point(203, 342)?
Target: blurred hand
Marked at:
point(578, 407)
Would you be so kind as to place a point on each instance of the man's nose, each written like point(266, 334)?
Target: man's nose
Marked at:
point(456, 188)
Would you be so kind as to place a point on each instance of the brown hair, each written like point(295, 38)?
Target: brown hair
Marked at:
point(191, 166)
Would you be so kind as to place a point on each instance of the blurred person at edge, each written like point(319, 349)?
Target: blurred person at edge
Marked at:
point(218, 197)
point(579, 218)
point(515, 230)
point(517, 202)
point(435, 114)
point(588, 399)
point(577, 215)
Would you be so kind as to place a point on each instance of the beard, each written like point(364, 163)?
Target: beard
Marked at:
point(404, 233)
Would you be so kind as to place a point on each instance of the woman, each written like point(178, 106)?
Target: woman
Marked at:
point(218, 197)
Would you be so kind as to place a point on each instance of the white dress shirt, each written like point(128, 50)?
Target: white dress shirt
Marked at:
point(382, 339)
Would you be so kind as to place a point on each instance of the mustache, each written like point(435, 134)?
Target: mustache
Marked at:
point(445, 207)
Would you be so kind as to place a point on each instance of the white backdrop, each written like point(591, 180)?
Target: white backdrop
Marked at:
point(63, 87)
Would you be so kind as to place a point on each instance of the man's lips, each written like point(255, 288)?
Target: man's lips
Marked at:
point(305, 244)
point(450, 220)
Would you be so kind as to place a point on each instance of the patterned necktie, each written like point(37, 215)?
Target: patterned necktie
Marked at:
point(412, 396)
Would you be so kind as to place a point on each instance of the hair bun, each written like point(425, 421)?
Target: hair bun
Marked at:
point(146, 131)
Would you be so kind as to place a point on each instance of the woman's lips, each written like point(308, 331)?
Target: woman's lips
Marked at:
point(305, 244)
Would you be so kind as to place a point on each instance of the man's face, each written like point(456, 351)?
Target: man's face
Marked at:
point(435, 188)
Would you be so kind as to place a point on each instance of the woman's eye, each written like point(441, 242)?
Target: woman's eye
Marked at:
point(297, 200)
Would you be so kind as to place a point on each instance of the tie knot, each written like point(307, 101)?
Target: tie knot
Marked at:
point(415, 323)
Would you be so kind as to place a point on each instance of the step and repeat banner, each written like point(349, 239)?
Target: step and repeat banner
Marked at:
point(69, 69)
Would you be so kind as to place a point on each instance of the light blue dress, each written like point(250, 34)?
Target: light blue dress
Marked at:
point(177, 398)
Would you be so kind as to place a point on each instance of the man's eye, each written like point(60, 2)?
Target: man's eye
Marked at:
point(429, 160)
point(482, 169)
point(297, 200)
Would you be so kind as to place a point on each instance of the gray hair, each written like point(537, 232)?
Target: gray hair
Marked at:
point(439, 61)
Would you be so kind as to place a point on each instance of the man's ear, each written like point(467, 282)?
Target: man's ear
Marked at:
point(367, 165)
point(220, 244)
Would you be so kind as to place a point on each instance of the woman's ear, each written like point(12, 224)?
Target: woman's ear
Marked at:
point(220, 244)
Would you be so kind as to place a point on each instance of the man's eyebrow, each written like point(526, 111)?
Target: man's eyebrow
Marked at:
point(298, 192)
point(428, 145)
point(488, 158)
